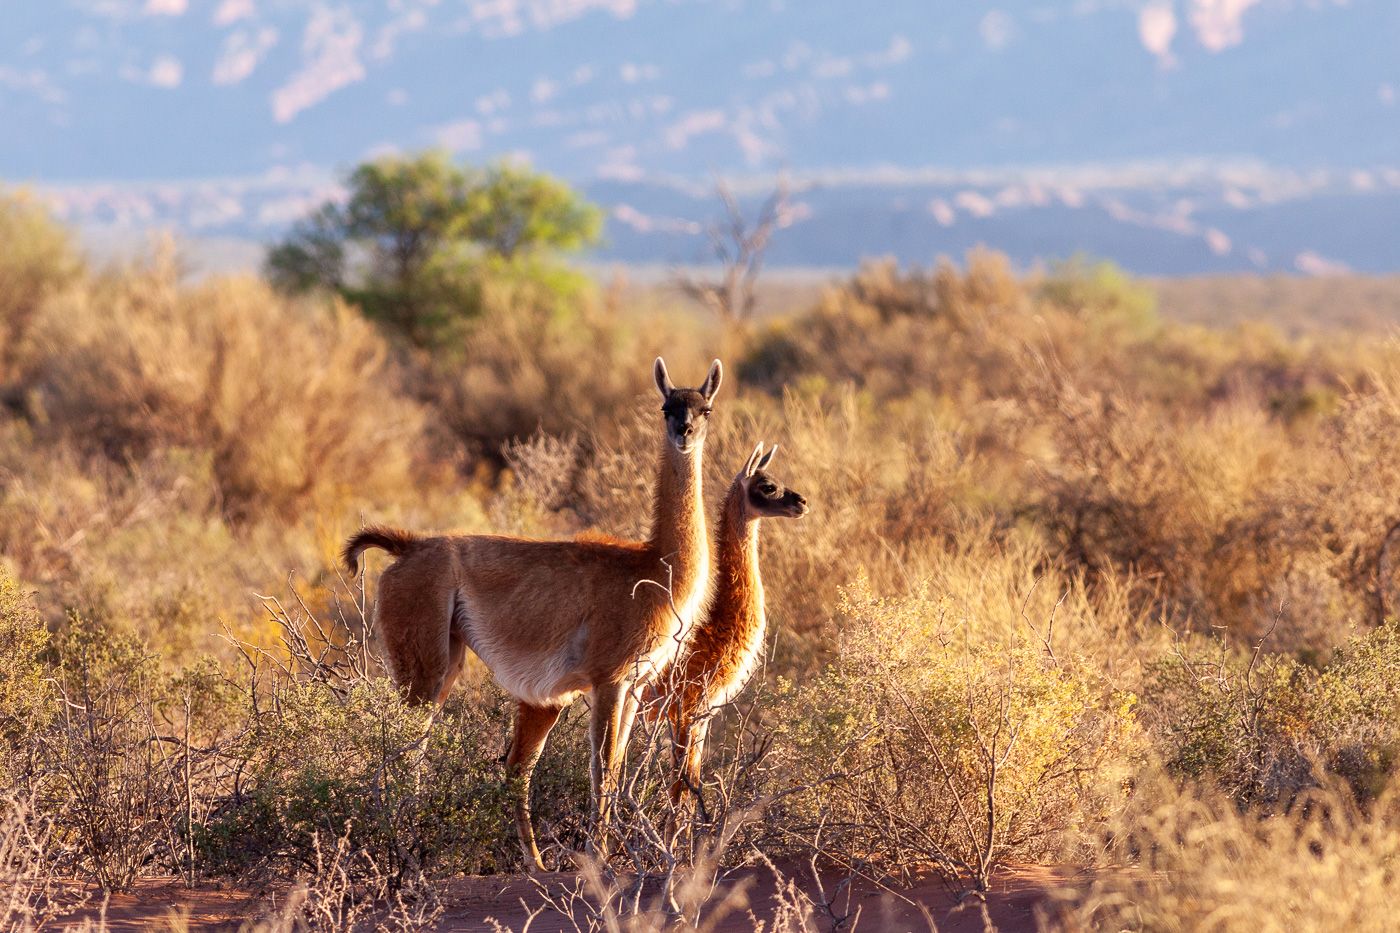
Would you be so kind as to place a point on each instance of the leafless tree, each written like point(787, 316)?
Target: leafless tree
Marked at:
point(739, 245)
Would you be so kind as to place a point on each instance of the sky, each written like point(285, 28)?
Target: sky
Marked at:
point(1224, 133)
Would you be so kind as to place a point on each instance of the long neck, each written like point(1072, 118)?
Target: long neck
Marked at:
point(737, 612)
point(678, 511)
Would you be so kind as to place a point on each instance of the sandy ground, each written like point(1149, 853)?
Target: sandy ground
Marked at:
point(473, 903)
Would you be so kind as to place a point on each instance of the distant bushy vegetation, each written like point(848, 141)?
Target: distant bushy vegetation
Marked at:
point(419, 240)
point(1081, 581)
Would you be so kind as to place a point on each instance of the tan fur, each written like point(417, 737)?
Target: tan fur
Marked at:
point(553, 619)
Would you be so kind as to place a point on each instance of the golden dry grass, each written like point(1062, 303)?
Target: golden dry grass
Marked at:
point(1109, 532)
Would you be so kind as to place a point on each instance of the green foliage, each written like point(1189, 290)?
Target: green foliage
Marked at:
point(418, 237)
point(1104, 294)
point(26, 694)
point(512, 211)
point(1267, 727)
point(1238, 720)
point(323, 763)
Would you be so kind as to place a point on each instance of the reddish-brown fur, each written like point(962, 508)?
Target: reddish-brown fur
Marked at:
point(554, 619)
point(724, 649)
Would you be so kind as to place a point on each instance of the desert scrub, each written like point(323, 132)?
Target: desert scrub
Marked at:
point(37, 259)
point(26, 692)
point(286, 398)
point(323, 764)
point(948, 752)
point(1265, 727)
point(104, 775)
point(357, 764)
point(1187, 859)
point(535, 362)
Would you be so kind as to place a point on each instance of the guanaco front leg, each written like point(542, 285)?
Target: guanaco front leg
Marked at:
point(688, 749)
point(532, 725)
point(609, 706)
point(630, 704)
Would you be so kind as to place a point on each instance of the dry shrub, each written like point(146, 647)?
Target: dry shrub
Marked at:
point(288, 402)
point(104, 777)
point(967, 335)
point(37, 260)
point(595, 901)
point(180, 445)
point(1200, 510)
point(1250, 522)
point(343, 889)
point(891, 331)
point(1187, 859)
point(533, 362)
point(949, 752)
point(330, 750)
point(32, 892)
point(321, 764)
point(140, 548)
point(1358, 518)
point(1233, 470)
point(100, 749)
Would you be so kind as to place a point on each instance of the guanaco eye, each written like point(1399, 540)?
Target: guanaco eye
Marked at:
point(768, 489)
point(706, 411)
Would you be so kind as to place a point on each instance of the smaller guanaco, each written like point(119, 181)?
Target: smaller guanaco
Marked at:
point(725, 647)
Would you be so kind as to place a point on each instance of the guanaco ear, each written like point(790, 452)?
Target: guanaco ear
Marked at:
point(711, 385)
point(663, 379)
point(766, 459)
point(751, 464)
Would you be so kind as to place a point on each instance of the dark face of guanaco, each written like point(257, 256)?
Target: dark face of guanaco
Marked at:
point(764, 496)
point(687, 411)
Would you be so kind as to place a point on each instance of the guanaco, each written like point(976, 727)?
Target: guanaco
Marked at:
point(553, 620)
point(726, 644)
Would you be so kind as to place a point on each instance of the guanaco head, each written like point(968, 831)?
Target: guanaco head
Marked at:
point(764, 496)
point(687, 411)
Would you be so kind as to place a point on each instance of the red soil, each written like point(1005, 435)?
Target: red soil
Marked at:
point(471, 903)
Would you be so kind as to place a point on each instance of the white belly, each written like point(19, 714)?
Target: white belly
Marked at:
point(542, 678)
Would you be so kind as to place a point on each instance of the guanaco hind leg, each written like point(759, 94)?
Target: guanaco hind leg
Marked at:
point(532, 725)
point(456, 657)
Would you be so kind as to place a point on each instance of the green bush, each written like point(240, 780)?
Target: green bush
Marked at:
point(1104, 295)
point(26, 693)
point(323, 764)
point(1266, 727)
point(419, 239)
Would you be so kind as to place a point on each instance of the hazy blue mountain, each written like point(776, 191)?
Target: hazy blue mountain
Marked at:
point(1172, 135)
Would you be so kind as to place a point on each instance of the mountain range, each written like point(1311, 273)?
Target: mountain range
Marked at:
point(1173, 136)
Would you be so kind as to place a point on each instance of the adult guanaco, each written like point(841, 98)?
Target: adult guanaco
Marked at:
point(555, 619)
point(727, 642)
